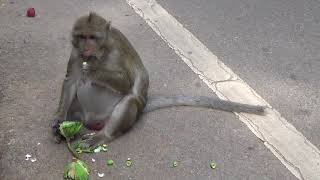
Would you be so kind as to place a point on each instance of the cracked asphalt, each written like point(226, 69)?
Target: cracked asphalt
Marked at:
point(274, 51)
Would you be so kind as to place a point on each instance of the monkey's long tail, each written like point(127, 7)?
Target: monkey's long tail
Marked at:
point(159, 102)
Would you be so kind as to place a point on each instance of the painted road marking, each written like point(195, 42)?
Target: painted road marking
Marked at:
point(300, 156)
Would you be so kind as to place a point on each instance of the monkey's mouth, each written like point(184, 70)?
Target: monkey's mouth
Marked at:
point(98, 125)
point(86, 53)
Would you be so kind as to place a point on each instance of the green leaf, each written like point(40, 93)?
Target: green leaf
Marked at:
point(76, 170)
point(70, 128)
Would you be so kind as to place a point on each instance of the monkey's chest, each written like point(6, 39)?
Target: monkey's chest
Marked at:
point(97, 103)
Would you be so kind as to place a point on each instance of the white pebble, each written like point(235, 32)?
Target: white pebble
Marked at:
point(93, 160)
point(33, 159)
point(101, 175)
point(28, 156)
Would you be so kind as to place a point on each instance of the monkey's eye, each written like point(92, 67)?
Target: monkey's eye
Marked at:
point(82, 36)
point(92, 37)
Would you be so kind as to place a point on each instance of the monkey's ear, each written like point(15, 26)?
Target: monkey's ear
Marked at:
point(108, 28)
point(91, 16)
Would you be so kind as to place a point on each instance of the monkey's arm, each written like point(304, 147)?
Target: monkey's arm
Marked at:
point(67, 95)
point(68, 91)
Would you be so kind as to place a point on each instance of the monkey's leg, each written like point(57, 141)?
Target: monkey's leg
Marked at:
point(122, 119)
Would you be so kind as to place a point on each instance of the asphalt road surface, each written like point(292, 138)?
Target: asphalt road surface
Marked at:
point(271, 45)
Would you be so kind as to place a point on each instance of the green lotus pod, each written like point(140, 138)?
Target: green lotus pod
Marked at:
point(70, 128)
point(76, 170)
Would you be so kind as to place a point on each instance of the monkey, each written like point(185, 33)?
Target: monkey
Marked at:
point(106, 85)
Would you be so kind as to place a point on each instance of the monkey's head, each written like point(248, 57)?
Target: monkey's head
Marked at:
point(89, 34)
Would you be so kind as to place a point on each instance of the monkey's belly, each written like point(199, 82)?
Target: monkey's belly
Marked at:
point(97, 104)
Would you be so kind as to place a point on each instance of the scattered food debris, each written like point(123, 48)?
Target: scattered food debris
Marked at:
point(128, 162)
point(101, 148)
point(97, 150)
point(76, 170)
point(101, 175)
point(33, 159)
point(110, 162)
point(31, 12)
point(213, 165)
point(174, 163)
point(28, 156)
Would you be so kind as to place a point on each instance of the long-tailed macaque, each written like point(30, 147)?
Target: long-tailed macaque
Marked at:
point(106, 84)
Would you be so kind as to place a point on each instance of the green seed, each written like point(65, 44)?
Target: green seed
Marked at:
point(174, 163)
point(213, 165)
point(129, 163)
point(110, 162)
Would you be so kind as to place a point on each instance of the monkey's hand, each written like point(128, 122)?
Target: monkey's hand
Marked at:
point(55, 129)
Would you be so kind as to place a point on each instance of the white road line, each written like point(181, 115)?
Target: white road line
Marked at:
point(300, 156)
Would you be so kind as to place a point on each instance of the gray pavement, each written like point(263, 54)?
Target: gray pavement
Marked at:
point(34, 53)
point(273, 45)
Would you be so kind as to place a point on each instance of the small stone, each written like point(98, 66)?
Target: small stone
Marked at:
point(93, 160)
point(38, 144)
point(33, 159)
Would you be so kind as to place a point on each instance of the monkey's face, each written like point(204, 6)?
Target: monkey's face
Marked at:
point(88, 44)
point(89, 35)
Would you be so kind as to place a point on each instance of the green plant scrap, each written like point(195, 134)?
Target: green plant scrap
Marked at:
point(76, 170)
